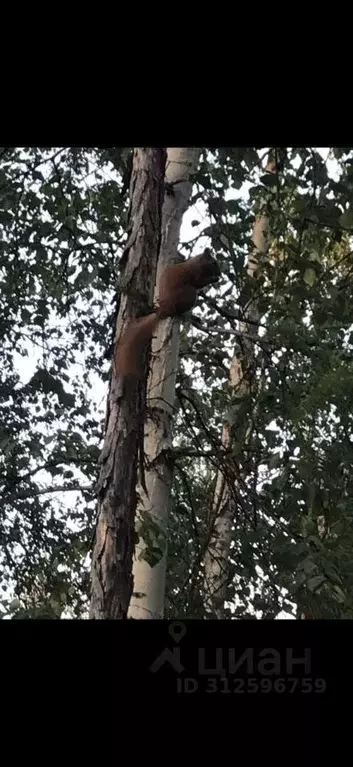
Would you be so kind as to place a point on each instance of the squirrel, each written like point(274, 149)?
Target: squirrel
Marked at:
point(178, 288)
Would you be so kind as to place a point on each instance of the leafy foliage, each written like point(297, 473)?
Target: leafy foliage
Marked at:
point(59, 233)
point(293, 529)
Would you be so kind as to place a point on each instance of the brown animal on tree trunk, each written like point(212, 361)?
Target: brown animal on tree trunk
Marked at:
point(178, 288)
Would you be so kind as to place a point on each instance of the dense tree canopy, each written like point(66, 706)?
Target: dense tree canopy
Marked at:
point(63, 216)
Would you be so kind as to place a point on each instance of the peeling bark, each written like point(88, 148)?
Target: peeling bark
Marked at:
point(112, 580)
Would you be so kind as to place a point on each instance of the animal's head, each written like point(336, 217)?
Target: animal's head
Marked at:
point(208, 271)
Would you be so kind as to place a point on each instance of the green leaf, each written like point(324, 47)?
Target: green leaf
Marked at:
point(308, 566)
point(346, 220)
point(310, 277)
point(339, 594)
point(275, 460)
point(224, 240)
point(14, 605)
point(45, 230)
point(315, 256)
point(85, 277)
point(152, 555)
point(269, 180)
point(26, 315)
point(271, 437)
point(315, 583)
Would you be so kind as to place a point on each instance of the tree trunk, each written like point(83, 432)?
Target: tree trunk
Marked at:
point(152, 513)
point(223, 514)
point(112, 580)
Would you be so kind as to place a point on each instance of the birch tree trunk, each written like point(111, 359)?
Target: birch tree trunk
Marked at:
point(152, 512)
point(223, 514)
point(112, 580)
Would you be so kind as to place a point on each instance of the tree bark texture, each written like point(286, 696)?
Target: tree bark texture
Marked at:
point(224, 510)
point(112, 579)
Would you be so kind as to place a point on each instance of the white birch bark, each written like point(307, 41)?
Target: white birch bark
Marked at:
point(223, 515)
point(149, 582)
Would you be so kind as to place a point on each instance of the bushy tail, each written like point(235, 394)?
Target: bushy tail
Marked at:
point(128, 356)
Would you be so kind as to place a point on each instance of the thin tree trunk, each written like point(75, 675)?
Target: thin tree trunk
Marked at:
point(112, 580)
point(152, 513)
point(223, 514)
